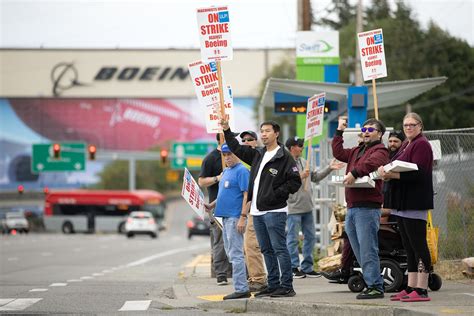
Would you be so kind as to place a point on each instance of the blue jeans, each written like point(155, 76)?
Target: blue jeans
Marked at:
point(305, 222)
point(234, 247)
point(362, 226)
point(271, 236)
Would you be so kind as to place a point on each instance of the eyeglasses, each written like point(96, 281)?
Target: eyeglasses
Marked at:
point(248, 139)
point(410, 125)
point(368, 129)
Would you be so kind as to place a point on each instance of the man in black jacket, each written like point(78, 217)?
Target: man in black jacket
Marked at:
point(273, 177)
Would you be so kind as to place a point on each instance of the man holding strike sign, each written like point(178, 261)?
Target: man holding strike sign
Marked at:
point(273, 177)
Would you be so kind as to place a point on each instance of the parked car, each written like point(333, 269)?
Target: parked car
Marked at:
point(197, 226)
point(15, 221)
point(141, 222)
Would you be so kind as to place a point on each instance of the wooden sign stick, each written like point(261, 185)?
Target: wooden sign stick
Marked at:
point(221, 106)
point(308, 179)
point(376, 107)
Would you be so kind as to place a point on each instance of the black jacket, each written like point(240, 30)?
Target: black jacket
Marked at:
point(280, 176)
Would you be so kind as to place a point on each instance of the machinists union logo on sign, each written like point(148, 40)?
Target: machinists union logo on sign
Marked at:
point(378, 38)
point(223, 16)
point(321, 101)
point(213, 66)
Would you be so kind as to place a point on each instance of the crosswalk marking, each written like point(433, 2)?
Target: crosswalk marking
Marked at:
point(4, 301)
point(38, 290)
point(135, 306)
point(19, 304)
point(58, 284)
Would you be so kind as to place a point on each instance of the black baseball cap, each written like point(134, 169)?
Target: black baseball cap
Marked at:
point(397, 134)
point(294, 141)
point(251, 133)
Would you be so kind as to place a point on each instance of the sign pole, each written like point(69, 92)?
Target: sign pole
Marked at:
point(221, 106)
point(376, 107)
point(308, 179)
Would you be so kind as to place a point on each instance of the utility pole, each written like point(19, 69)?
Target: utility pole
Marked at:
point(357, 71)
point(304, 15)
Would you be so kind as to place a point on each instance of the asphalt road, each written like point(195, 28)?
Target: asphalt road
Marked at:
point(97, 274)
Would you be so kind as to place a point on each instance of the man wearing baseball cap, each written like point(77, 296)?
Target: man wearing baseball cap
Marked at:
point(231, 206)
point(300, 212)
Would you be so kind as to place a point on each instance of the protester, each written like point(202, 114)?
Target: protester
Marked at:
point(257, 277)
point(363, 204)
point(411, 196)
point(395, 140)
point(209, 178)
point(273, 177)
point(230, 205)
point(300, 212)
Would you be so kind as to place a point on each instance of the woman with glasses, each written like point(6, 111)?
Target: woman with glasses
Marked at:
point(411, 196)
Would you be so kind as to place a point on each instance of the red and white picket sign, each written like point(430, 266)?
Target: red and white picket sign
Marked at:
point(205, 80)
point(214, 33)
point(315, 116)
point(372, 54)
point(192, 194)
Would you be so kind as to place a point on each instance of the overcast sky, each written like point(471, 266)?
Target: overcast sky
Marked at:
point(172, 24)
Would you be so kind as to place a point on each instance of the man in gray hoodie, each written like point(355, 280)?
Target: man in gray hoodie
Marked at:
point(300, 212)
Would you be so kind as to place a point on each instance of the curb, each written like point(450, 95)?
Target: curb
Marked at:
point(290, 308)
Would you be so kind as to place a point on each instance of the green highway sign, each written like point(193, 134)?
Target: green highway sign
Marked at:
point(72, 157)
point(190, 155)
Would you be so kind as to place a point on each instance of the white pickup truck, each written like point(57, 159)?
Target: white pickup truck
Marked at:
point(15, 221)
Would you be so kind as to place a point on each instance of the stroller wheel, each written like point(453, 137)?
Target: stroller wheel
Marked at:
point(434, 282)
point(356, 283)
point(392, 275)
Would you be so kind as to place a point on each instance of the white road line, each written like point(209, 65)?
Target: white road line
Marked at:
point(86, 278)
point(97, 274)
point(167, 253)
point(4, 301)
point(12, 259)
point(38, 290)
point(74, 280)
point(58, 284)
point(135, 306)
point(19, 304)
point(470, 294)
point(107, 271)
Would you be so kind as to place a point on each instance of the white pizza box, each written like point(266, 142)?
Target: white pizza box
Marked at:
point(364, 182)
point(395, 166)
point(400, 166)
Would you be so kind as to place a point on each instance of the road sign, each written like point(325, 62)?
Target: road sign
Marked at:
point(190, 155)
point(71, 158)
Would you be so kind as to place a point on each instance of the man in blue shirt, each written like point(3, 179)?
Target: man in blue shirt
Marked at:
point(230, 205)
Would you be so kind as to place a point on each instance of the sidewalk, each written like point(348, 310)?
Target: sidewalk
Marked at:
point(315, 296)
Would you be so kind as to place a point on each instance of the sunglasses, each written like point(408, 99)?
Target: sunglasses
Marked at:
point(368, 129)
point(248, 139)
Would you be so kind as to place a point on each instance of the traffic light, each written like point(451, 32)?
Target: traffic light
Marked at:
point(164, 155)
point(21, 189)
point(92, 150)
point(56, 151)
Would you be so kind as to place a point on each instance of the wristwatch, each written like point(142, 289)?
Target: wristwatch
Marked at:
point(243, 215)
point(216, 179)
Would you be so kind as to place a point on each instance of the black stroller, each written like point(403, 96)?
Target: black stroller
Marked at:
point(393, 264)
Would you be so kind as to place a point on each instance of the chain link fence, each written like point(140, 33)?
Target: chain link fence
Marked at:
point(453, 181)
point(453, 184)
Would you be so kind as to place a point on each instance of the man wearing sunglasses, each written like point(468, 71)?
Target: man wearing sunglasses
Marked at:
point(364, 204)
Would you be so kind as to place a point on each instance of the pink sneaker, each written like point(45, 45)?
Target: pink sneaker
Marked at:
point(415, 297)
point(398, 296)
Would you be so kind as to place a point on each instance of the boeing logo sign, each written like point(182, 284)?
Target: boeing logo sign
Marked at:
point(65, 75)
point(155, 73)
